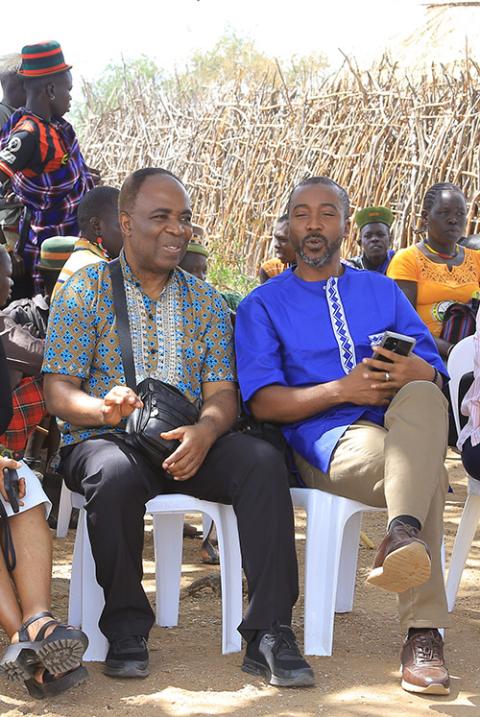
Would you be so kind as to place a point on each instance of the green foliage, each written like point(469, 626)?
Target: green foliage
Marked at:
point(116, 78)
point(232, 59)
point(227, 278)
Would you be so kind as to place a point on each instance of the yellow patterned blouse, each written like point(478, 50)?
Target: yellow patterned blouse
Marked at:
point(437, 285)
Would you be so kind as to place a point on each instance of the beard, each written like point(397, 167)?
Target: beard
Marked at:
point(318, 261)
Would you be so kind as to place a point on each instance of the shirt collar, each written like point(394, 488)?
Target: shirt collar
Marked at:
point(130, 276)
point(81, 244)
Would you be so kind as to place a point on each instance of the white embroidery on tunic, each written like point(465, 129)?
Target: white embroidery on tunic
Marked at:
point(340, 325)
point(165, 366)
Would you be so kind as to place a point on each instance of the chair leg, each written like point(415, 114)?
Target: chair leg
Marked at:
point(168, 542)
point(92, 599)
point(461, 548)
point(322, 556)
point(231, 578)
point(64, 511)
point(348, 564)
point(206, 525)
point(75, 594)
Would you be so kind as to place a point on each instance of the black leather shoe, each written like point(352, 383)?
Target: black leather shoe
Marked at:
point(275, 656)
point(127, 657)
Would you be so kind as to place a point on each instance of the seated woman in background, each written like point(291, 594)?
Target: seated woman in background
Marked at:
point(438, 272)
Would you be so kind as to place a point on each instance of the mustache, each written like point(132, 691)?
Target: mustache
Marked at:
point(315, 235)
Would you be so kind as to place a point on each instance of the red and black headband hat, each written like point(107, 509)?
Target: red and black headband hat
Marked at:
point(43, 59)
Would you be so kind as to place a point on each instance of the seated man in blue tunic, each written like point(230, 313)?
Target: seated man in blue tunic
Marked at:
point(361, 428)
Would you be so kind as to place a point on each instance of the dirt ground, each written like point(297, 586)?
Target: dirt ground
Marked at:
point(189, 675)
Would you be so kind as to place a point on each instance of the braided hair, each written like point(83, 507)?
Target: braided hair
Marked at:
point(432, 193)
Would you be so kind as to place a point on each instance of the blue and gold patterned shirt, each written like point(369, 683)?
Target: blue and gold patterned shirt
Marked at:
point(183, 338)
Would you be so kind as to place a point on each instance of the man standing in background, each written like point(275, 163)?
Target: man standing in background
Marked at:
point(40, 159)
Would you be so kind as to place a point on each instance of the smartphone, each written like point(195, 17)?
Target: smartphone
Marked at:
point(10, 480)
point(398, 343)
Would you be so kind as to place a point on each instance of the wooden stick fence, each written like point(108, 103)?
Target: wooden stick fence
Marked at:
point(382, 135)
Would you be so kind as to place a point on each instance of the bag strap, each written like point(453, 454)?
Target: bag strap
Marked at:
point(8, 548)
point(123, 326)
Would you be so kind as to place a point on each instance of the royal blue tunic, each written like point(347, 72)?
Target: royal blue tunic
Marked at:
point(293, 332)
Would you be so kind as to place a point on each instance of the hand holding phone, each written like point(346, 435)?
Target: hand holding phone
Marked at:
point(10, 481)
point(398, 343)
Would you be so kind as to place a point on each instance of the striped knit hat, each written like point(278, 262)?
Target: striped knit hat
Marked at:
point(42, 60)
point(55, 251)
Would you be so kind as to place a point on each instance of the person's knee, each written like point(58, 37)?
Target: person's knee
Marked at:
point(265, 465)
point(116, 480)
point(425, 392)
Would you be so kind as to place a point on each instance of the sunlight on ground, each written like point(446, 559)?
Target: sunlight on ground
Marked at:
point(177, 702)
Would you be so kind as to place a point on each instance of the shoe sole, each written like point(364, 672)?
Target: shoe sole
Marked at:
point(132, 670)
point(405, 568)
point(19, 663)
point(429, 690)
point(62, 655)
point(301, 678)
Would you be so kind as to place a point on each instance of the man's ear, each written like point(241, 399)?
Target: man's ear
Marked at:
point(125, 224)
point(346, 229)
point(96, 226)
point(50, 90)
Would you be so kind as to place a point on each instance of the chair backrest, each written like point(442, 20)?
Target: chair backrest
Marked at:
point(459, 363)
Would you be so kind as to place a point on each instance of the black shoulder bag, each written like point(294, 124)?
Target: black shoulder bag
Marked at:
point(164, 406)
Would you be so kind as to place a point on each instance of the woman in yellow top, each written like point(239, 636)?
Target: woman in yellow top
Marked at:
point(438, 271)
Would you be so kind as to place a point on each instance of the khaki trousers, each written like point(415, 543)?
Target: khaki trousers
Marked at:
point(400, 467)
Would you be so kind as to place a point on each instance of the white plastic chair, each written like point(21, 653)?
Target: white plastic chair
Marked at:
point(460, 362)
point(86, 598)
point(65, 513)
point(331, 553)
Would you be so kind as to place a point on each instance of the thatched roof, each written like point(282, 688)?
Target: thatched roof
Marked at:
point(449, 33)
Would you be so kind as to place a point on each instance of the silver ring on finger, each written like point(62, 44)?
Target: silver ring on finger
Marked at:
point(387, 376)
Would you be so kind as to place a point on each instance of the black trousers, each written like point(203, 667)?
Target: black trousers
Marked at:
point(245, 472)
point(471, 459)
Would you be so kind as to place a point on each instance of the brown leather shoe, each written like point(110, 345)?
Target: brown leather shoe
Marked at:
point(423, 665)
point(402, 560)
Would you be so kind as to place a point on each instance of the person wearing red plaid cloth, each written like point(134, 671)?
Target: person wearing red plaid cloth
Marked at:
point(42, 653)
point(24, 354)
point(40, 158)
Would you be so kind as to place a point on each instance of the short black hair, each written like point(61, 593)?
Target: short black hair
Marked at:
point(94, 204)
point(326, 181)
point(133, 183)
point(432, 193)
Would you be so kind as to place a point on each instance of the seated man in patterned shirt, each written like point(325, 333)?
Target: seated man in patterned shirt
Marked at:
point(181, 333)
point(361, 428)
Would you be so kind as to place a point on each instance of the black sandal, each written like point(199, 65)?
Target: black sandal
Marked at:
point(61, 651)
point(53, 685)
point(19, 661)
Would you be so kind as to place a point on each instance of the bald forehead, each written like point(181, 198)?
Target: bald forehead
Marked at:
point(5, 259)
point(163, 191)
point(316, 195)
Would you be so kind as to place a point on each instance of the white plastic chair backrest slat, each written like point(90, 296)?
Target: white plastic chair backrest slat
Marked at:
point(459, 363)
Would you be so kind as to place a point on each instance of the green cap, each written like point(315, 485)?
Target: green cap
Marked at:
point(369, 215)
point(197, 248)
point(55, 251)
